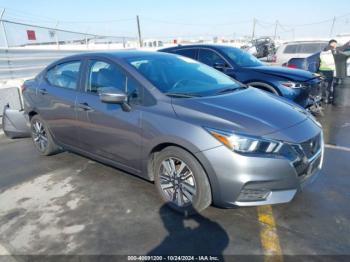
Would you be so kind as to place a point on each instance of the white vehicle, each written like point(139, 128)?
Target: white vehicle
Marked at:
point(298, 49)
point(152, 44)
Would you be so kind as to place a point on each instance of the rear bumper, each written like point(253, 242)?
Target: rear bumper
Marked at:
point(15, 124)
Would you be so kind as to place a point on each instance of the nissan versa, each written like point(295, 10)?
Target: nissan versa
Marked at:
point(300, 86)
point(199, 135)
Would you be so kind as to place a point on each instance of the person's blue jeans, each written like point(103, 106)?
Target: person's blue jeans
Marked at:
point(328, 85)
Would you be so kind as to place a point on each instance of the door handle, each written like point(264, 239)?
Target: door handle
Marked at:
point(85, 106)
point(43, 91)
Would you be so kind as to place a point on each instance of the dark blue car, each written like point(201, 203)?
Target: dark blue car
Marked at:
point(297, 85)
point(310, 63)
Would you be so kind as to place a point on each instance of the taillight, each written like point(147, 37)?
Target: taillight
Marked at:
point(291, 66)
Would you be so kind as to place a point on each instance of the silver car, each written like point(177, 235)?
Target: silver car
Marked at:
point(202, 137)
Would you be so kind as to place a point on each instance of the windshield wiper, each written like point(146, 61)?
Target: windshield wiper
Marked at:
point(184, 95)
point(231, 89)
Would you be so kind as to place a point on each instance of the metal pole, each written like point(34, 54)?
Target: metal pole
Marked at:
point(254, 24)
point(56, 35)
point(332, 27)
point(86, 38)
point(139, 30)
point(3, 28)
point(275, 34)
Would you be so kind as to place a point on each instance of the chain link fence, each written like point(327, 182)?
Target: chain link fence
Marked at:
point(26, 49)
point(16, 34)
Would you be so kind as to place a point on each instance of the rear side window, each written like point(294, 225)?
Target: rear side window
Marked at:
point(190, 52)
point(64, 75)
point(291, 49)
point(311, 48)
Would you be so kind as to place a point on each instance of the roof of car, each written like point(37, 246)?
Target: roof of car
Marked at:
point(215, 46)
point(305, 42)
point(117, 54)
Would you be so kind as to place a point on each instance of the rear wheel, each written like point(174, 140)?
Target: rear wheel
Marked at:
point(41, 136)
point(181, 181)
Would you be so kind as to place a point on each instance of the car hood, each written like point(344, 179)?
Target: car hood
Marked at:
point(250, 111)
point(284, 72)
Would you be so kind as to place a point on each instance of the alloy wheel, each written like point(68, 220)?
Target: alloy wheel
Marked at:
point(39, 136)
point(177, 181)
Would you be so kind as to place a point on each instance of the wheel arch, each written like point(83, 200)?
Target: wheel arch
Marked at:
point(159, 147)
point(188, 147)
point(264, 86)
point(31, 114)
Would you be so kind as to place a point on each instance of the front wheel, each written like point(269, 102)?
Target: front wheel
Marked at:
point(181, 181)
point(41, 137)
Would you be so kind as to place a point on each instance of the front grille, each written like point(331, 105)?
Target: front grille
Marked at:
point(308, 161)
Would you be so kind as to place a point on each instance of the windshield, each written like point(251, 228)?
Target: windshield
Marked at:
point(241, 57)
point(178, 75)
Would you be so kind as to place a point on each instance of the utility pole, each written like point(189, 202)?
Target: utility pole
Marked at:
point(275, 34)
point(86, 37)
point(56, 35)
point(254, 24)
point(139, 30)
point(332, 27)
point(3, 28)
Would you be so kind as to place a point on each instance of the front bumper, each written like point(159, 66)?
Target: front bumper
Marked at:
point(306, 96)
point(239, 180)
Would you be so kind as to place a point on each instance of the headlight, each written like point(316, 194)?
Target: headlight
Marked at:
point(245, 144)
point(293, 84)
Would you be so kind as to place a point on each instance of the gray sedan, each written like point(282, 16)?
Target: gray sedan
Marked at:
point(202, 137)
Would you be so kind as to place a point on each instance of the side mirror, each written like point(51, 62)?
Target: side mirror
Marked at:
point(220, 66)
point(114, 96)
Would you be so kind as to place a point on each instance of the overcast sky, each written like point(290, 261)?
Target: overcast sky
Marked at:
point(163, 18)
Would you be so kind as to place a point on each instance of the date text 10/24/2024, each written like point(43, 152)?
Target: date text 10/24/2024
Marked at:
point(173, 258)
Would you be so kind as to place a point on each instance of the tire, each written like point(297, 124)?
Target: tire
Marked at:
point(40, 133)
point(183, 192)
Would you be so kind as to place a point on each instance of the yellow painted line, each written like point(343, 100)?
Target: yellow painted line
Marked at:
point(268, 235)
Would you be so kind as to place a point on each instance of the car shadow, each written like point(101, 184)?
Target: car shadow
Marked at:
point(191, 236)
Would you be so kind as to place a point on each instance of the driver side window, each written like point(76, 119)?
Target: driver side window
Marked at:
point(209, 57)
point(103, 75)
point(107, 76)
